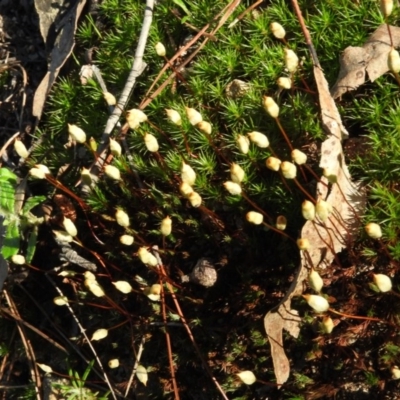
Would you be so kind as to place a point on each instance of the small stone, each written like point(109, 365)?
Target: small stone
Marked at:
point(203, 273)
point(237, 89)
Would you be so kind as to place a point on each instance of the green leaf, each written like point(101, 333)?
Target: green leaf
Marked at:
point(32, 239)
point(7, 176)
point(182, 5)
point(11, 241)
point(31, 203)
point(7, 199)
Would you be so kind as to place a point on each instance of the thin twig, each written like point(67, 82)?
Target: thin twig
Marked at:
point(168, 339)
point(137, 69)
point(83, 332)
point(34, 329)
point(138, 356)
point(186, 325)
point(28, 347)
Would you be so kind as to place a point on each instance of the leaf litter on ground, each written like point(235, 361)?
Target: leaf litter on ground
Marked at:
point(326, 238)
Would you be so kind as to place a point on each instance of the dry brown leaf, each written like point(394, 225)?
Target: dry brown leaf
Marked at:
point(63, 46)
point(371, 59)
point(326, 240)
point(47, 11)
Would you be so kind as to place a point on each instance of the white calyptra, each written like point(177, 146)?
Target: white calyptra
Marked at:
point(141, 374)
point(122, 218)
point(20, 149)
point(39, 171)
point(63, 236)
point(327, 324)
point(299, 157)
point(187, 174)
point(330, 175)
point(112, 172)
point(386, 7)
point(114, 363)
point(123, 286)
point(394, 61)
point(277, 30)
point(70, 227)
point(155, 289)
point(151, 142)
point(146, 257)
point(126, 240)
point(254, 218)
point(109, 98)
point(237, 173)
point(270, 106)
point(323, 209)
point(89, 276)
point(303, 243)
point(77, 133)
point(259, 139)
point(86, 176)
point(18, 259)
point(233, 188)
point(160, 49)
point(315, 281)
point(247, 377)
point(94, 287)
point(383, 282)
point(289, 170)
point(273, 163)
point(100, 334)
point(174, 117)
point(166, 226)
point(153, 293)
point(308, 210)
point(373, 230)
point(281, 222)
point(194, 199)
point(45, 368)
point(291, 60)
point(193, 115)
point(395, 372)
point(318, 303)
point(135, 117)
point(243, 143)
point(205, 127)
point(115, 148)
point(284, 83)
point(60, 300)
point(185, 189)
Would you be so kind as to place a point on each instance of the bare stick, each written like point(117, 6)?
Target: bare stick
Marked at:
point(137, 69)
point(186, 325)
point(138, 356)
point(28, 347)
point(83, 332)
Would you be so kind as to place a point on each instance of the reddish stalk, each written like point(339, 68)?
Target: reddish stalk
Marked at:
point(255, 206)
point(189, 332)
point(304, 191)
point(285, 136)
point(357, 316)
point(168, 339)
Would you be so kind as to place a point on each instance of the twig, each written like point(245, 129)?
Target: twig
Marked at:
point(83, 332)
point(186, 325)
point(226, 12)
point(34, 329)
point(168, 339)
point(138, 356)
point(137, 69)
point(306, 33)
point(28, 347)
